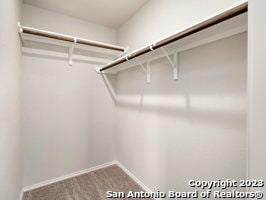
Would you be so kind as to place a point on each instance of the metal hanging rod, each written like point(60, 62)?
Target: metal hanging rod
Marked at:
point(67, 38)
point(228, 14)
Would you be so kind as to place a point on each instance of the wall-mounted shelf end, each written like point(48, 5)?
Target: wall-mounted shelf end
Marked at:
point(98, 71)
point(20, 31)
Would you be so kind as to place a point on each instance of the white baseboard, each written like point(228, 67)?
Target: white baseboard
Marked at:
point(71, 175)
point(131, 175)
point(21, 195)
point(67, 176)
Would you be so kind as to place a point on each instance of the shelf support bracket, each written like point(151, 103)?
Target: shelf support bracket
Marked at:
point(20, 32)
point(174, 63)
point(70, 52)
point(146, 70)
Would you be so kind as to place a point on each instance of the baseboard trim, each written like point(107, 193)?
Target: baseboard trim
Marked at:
point(67, 176)
point(131, 175)
point(21, 195)
point(71, 175)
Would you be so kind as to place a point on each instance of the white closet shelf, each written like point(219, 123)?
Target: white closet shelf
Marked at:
point(57, 45)
point(221, 25)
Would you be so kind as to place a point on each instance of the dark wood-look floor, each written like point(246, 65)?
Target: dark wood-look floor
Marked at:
point(89, 186)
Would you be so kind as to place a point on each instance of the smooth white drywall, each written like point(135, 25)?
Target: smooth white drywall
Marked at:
point(257, 94)
point(169, 132)
point(195, 128)
point(160, 18)
point(68, 113)
point(52, 21)
point(10, 107)
point(68, 122)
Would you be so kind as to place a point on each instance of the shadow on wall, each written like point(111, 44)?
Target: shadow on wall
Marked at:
point(193, 127)
point(210, 90)
point(56, 56)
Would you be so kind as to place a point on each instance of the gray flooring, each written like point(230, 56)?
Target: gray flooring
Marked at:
point(89, 186)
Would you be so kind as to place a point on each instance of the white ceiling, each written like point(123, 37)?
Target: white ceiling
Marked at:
point(111, 13)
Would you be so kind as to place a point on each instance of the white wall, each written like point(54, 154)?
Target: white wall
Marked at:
point(68, 122)
point(10, 115)
point(158, 19)
point(256, 84)
point(52, 21)
point(169, 132)
point(195, 128)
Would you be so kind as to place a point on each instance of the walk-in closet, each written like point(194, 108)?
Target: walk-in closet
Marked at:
point(123, 99)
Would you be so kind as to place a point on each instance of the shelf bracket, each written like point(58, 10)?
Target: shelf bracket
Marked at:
point(20, 32)
point(146, 70)
point(174, 63)
point(70, 52)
